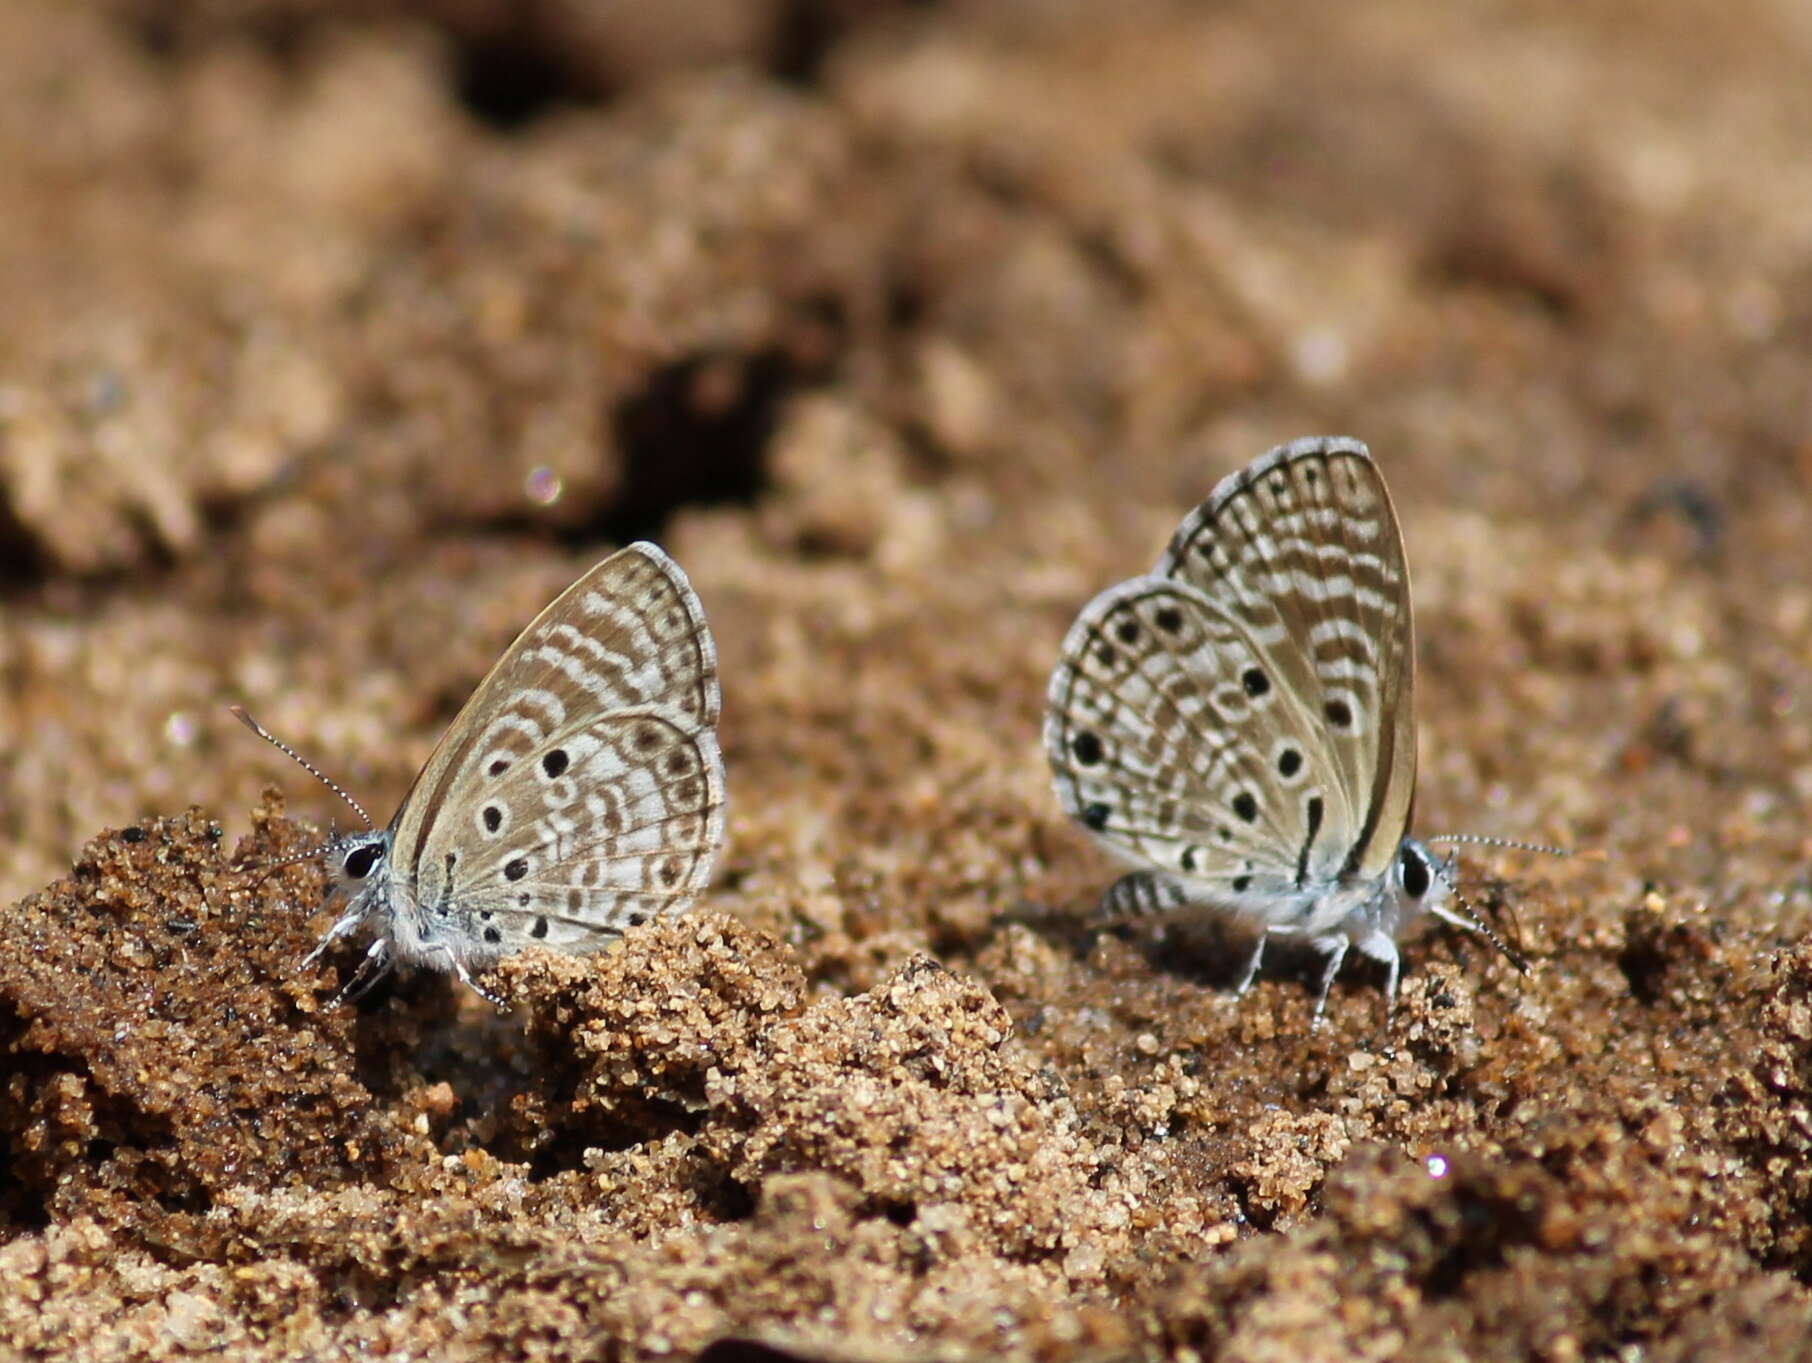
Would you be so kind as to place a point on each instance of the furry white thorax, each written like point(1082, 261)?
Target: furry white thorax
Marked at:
point(359, 871)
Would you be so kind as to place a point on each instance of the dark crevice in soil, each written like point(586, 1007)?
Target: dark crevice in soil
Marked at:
point(391, 1020)
point(22, 563)
point(1487, 1229)
point(632, 1124)
point(117, 1157)
point(512, 77)
point(697, 435)
point(809, 30)
point(803, 37)
point(24, 1204)
point(1645, 965)
point(721, 1195)
point(735, 1350)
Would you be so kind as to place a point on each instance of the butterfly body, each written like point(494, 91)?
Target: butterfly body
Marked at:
point(578, 793)
point(1239, 721)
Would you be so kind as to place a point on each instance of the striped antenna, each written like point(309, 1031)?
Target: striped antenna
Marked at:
point(302, 762)
point(276, 863)
point(1481, 840)
point(1475, 921)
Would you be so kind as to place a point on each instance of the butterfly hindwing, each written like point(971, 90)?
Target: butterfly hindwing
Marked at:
point(1169, 739)
point(599, 830)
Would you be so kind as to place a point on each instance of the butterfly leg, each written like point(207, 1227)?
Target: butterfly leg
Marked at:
point(1383, 947)
point(373, 966)
point(1336, 954)
point(458, 966)
point(342, 925)
point(1251, 970)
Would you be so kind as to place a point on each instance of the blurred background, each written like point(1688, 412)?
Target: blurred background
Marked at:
point(338, 336)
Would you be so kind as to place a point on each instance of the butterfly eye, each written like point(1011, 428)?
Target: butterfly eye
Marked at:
point(358, 865)
point(1415, 874)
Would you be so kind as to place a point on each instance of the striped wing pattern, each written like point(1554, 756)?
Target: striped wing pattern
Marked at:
point(580, 791)
point(1241, 716)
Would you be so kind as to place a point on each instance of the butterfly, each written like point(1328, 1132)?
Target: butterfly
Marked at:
point(579, 791)
point(1240, 720)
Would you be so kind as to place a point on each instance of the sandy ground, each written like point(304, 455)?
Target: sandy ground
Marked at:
point(340, 336)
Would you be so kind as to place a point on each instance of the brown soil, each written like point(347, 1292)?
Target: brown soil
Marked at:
point(339, 336)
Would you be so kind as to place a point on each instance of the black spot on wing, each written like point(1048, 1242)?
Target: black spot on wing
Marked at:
point(1314, 813)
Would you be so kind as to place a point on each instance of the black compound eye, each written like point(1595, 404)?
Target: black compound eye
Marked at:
point(1415, 873)
point(359, 862)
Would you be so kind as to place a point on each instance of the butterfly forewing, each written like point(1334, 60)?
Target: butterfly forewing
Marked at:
point(580, 790)
point(1303, 546)
point(628, 633)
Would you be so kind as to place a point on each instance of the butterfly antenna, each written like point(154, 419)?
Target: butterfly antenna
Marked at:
point(275, 863)
point(1476, 921)
point(1481, 840)
point(302, 762)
